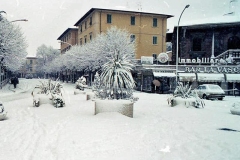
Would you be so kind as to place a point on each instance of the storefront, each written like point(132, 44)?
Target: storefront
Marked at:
point(228, 77)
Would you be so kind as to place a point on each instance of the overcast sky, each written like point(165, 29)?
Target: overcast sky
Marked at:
point(48, 19)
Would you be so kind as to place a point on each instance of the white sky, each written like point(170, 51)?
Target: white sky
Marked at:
point(48, 19)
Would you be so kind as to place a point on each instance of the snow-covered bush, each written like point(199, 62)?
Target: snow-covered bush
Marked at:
point(116, 81)
point(49, 88)
point(185, 93)
point(81, 83)
point(3, 113)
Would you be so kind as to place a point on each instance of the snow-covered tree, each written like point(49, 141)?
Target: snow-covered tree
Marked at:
point(45, 56)
point(116, 74)
point(13, 45)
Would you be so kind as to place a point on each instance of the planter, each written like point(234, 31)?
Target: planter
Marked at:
point(235, 109)
point(90, 95)
point(183, 102)
point(78, 91)
point(125, 107)
point(39, 99)
point(3, 115)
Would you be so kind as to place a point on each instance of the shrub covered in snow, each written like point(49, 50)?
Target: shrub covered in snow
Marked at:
point(81, 83)
point(186, 94)
point(49, 88)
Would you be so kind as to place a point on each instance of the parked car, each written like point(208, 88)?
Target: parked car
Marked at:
point(29, 76)
point(209, 91)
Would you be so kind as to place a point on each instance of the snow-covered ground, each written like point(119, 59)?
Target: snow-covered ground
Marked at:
point(156, 132)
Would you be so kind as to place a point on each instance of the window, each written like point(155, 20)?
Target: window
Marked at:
point(85, 39)
point(85, 24)
point(132, 20)
point(154, 40)
point(81, 28)
point(132, 38)
point(109, 18)
point(80, 41)
point(90, 23)
point(90, 36)
point(30, 61)
point(154, 22)
point(197, 44)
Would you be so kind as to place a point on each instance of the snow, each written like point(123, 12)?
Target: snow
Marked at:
point(156, 131)
point(213, 20)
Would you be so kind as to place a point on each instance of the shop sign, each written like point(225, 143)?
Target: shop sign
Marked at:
point(163, 57)
point(146, 60)
point(212, 69)
point(198, 60)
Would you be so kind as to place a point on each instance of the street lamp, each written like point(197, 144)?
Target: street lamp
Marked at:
point(177, 42)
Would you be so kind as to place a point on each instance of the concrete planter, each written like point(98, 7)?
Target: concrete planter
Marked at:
point(183, 102)
point(125, 107)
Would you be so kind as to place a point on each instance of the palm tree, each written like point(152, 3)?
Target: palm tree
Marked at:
point(116, 76)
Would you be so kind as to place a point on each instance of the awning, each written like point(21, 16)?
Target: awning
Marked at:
point(189, 77)
point(164, 74)
point(210, 77)
point(233, 77)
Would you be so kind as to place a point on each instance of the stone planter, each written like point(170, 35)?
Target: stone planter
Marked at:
point(125, 107)
point(39, 99)
point(183, 102)
point(90, 95)
point(82, 95)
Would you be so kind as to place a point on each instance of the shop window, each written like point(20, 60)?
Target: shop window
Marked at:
point(197, 44)
point(234, 43)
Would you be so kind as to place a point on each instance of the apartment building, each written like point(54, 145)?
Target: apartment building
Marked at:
point(68, 38)
point(29, 67)
point(148, 30)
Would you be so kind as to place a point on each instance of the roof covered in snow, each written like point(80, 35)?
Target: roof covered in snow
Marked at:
point(224, 19)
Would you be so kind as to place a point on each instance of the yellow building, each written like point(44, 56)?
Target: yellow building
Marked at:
point(147, 29)
point(68, 38)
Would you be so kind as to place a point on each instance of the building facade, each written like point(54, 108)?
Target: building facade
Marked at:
point(148, 30)
point(208, 52)
point(29, 68)
point(67, 39)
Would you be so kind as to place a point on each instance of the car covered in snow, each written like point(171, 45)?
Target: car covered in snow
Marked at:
point(210, 91)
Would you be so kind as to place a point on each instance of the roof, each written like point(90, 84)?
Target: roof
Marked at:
point(113, 10)
point(225, 19)
point(67, 30)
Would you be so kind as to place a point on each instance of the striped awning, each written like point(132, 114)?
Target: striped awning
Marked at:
point(233, 77)
point(187, 77)
point(210, 77)
point(163, 74)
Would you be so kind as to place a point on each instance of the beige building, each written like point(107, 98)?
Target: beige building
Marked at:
point(29, 67)
point(147, 29)
point(68, 38)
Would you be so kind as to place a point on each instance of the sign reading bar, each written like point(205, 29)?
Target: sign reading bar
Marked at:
point(212, 69)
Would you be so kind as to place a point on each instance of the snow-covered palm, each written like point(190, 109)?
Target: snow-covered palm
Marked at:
point(12, 45)
point(116, 74)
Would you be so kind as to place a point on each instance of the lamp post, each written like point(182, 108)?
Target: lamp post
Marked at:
point(177, 43)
